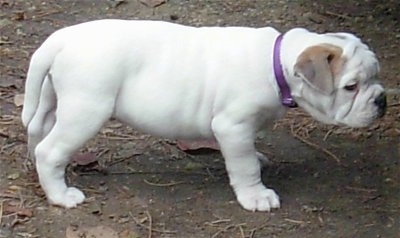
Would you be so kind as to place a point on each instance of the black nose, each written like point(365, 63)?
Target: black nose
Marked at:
point(380, 101)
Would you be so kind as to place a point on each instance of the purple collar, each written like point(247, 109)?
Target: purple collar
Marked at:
point(286, 96)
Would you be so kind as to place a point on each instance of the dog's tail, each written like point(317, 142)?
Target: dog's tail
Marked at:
point(39, 67)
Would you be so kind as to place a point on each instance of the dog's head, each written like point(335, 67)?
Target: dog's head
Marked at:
point(339, 85)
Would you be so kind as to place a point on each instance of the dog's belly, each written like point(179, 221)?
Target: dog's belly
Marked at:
point(165, 107)
point(167, 123)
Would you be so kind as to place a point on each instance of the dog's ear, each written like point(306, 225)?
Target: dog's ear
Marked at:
point(319, 66)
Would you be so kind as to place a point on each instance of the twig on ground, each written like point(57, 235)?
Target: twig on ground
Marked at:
point(150, 223)
point(253, 231)
point(368, 190)
point(4, 120)
point(44, 14)
point(294, 221)
point(1, 211)
point(147, 227)
point(327, 134)
point(315, 146)
point(394, 105)
point(223, 230)
point(8, 195)
point(162, 184)
point(329, 13)
point(143, 172)
point(241, 232)
point(113, 137)
point(117, 137)
point(228, 227)
point(219, 221)
point(120, 160)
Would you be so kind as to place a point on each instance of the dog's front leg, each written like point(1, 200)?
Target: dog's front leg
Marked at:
point(237, 145)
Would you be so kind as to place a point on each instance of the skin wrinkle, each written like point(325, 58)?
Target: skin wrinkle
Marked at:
point(351, 105)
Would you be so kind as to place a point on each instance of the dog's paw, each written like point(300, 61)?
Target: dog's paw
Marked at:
point(258, 198)
point(69, 199)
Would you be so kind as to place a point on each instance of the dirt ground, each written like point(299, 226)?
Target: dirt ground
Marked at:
point(333, 182)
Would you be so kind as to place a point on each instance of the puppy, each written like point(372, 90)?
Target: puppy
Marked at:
point(184, 82)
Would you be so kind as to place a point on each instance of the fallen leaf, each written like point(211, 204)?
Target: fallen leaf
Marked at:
point(20, 211)
point(188, 145)
point(116, 3)
point(392, 132)
point(13, 176)
point(193, 166)
point(84, 158)
point(18, 16)
point(19, 100)
point(15, 188)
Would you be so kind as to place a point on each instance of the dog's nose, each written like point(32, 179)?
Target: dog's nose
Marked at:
point(380, 101)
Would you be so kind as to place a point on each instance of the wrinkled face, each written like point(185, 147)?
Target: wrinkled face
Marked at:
point(340, 83)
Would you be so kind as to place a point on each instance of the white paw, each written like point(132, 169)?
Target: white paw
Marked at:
point(69, 199)
point(257, 198)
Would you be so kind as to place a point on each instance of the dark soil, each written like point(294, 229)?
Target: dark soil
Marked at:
point(333, 182)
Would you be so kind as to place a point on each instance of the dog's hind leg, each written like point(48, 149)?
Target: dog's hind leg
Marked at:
point(76, 122)
point(44, 117)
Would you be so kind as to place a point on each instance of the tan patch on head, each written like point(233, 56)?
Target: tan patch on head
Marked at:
point(320, 66)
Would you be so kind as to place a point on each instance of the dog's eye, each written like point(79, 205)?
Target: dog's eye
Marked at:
point(351, 87)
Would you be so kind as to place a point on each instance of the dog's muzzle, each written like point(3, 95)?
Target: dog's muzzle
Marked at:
point(380, 101)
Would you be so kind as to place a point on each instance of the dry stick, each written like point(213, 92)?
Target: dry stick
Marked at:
point(35, 17)
point(253, 231)
point(1, 211)
point(328, 134)
point(216, 233)
point(294, 221)
point(114, 137)
point(21, 199)
point(117, 136)
point(152, 229)
point(8, 195)
point(241, 232)
point(394, 105)
point(315, 146)
point(329, 13)
point(150, 222)
point(361, 189)
point(222, 230)
point(215, 223)
point(144, 172)
point(119, 160)
point(162, 184)
point(220, 221)
point(227, 228)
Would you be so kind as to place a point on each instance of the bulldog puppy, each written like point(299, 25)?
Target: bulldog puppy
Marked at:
point(182, 82)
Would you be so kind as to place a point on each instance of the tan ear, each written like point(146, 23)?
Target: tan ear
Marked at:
point(319, 65)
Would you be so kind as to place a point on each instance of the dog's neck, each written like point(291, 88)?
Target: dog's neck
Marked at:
point(286, 97)
point(289, 52)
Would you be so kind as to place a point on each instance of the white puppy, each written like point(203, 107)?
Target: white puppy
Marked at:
point(185, 82)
